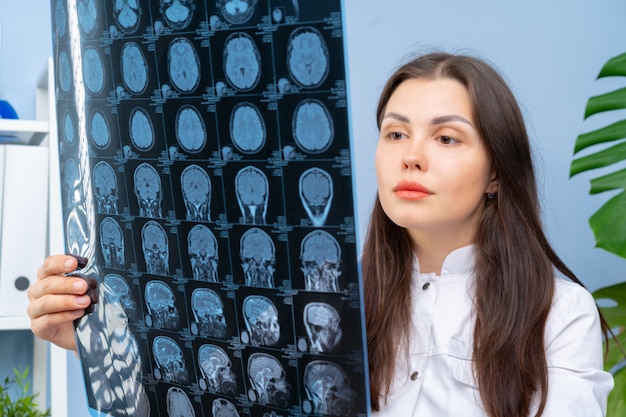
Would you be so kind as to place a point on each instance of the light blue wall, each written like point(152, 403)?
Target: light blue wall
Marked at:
point(549, 51)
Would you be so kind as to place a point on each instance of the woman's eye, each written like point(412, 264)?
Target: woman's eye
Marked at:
point(446, 140)
point(395, 135)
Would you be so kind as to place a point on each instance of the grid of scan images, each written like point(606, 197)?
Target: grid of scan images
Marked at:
point(206, 176)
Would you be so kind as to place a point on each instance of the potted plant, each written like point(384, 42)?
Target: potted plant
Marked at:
point(16, 399)
point(609, 222)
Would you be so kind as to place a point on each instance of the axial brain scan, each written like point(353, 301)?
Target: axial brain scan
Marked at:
point(141, 129)
point(203, 253)
point(148, 190)
point(261, 317)
point(156, 253)
point(242, 61)
point(328, 388)
point(65, 72)
point(183, 65)
point(322, 323)
point(87, 16)
point(190, 129)
point(127, 13)
point(252, 189)
point(112, 243)
point(169, 360)
point(100, 133)
point(258, 256)
point(247, 128)
point(106, 190)
point(307, 57)
point(161, 305)
point(312, 126)
point(316, 194)
point(93, 71)
point(215, 368)
point(177, 13)
point(134, 68)
point(268, 381)
point(236, 11)
point(321, 260)
point(208, 311)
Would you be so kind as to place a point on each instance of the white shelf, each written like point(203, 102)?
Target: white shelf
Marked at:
point(15, 323)
point(24, 132)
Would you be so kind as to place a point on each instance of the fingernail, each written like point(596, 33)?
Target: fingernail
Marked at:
point(83, 300)
point(69, 264)
point(80, 285)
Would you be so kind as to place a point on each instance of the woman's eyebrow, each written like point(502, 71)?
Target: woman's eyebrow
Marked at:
point(450, 118)
point(397, 116)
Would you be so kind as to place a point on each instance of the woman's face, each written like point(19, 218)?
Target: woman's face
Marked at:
point(432, 167)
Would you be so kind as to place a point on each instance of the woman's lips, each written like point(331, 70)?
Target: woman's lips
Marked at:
point(411, 190)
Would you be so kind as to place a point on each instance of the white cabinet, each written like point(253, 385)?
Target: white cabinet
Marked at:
point(49, 362)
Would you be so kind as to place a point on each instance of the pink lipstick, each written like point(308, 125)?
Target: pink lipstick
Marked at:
point(411, 190)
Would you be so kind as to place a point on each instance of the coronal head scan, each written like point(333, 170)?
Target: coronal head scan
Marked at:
point(99, 131)
point(316, 194)
point(141, 129)
point(215, 368)
point(170, 361)
point(106, 189)
point(155, 247)
point(160, 301)
point(223, 408)
point(252, 189)
point(261, 317)
point(258, 256)
point(320, 255)
point(112, 243)
point(72, 183)
point(312, 126)
point(148, 190)
point(177, 13)
point(178, 403)
point(208, 311)
point(190, 129)
point(183, 64)
point(322, 324)
point(247, 128)
point(127, 14)
point(268, 381)
point(196, 188)
point(328, 388)
point(242, 61)
point(236, 12)
point(203, 253)
point(308, 59)
point(134, 68)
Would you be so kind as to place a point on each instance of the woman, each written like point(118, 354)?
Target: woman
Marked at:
point(479, 325)
point(464, 314)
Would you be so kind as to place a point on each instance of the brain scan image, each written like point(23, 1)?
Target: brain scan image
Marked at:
point(252, 189)
point(127, 14)
point(178, 403)
point(120, 294)
point(99, 130)
point(155, 247)
point(69, 128)
point(170, 361)
point(247, 128)
point(258, 256)
point(106, 189)
point(316, 194)
point(307, 57)
point(320, 255)
point(65, 72)
point(87, 16)
point(196, 188)
point(208, 311)
point(269, 385)
point(160, 301)
point(190, 130)
point(203, 253)
point(77, 236)
point(141, 129)
point(112, 243)
point(71, 183)
point(223, 408)
point(183, 65)
point(328, 390)
point(177, 13)
point(93, 71)
point(312, 126)
point(134, 68)
point(148, 190)
point(236, 12)
point(242, 61)
point(60, 18)
point(215, 368)
point(322, 324)
point(261, 317)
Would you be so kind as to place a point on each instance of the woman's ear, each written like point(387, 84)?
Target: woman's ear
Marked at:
point(493, 185)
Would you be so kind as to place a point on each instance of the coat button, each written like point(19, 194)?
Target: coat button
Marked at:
point(414, 375)
point(426, 286)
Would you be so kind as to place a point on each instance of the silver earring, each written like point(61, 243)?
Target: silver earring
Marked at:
point(490, 196)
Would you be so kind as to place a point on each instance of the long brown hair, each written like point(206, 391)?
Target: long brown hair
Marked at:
point(514, 271)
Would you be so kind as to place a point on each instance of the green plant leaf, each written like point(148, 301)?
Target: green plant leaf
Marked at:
point(605, 157)
point(606, 134)
point(615, 66)
point(617, 399)
point(609, 225)
point(614, 100)
point(612, 181)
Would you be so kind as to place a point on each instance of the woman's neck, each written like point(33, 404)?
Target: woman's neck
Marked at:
point(432, 249)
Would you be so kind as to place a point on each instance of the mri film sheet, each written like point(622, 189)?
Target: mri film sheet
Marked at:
point(206, 177)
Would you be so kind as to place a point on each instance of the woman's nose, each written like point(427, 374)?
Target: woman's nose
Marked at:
point(414, 156)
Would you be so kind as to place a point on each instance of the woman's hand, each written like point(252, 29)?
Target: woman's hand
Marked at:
point(56, 301)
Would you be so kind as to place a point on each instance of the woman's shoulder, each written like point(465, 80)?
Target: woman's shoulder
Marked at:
point(572, 303)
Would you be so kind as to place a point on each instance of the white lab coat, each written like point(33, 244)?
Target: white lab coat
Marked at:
point(437, 381)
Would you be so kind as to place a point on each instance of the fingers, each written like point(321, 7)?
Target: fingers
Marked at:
point(57, 265)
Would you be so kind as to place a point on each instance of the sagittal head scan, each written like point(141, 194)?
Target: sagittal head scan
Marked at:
point(321, 260)
point(208, 311)
point(322, 323)
point(258, 256)
point(261, 317)
point(162, 310)
point(169, 359)
point(268, 381)
point(328, 389)
point(215, 367)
